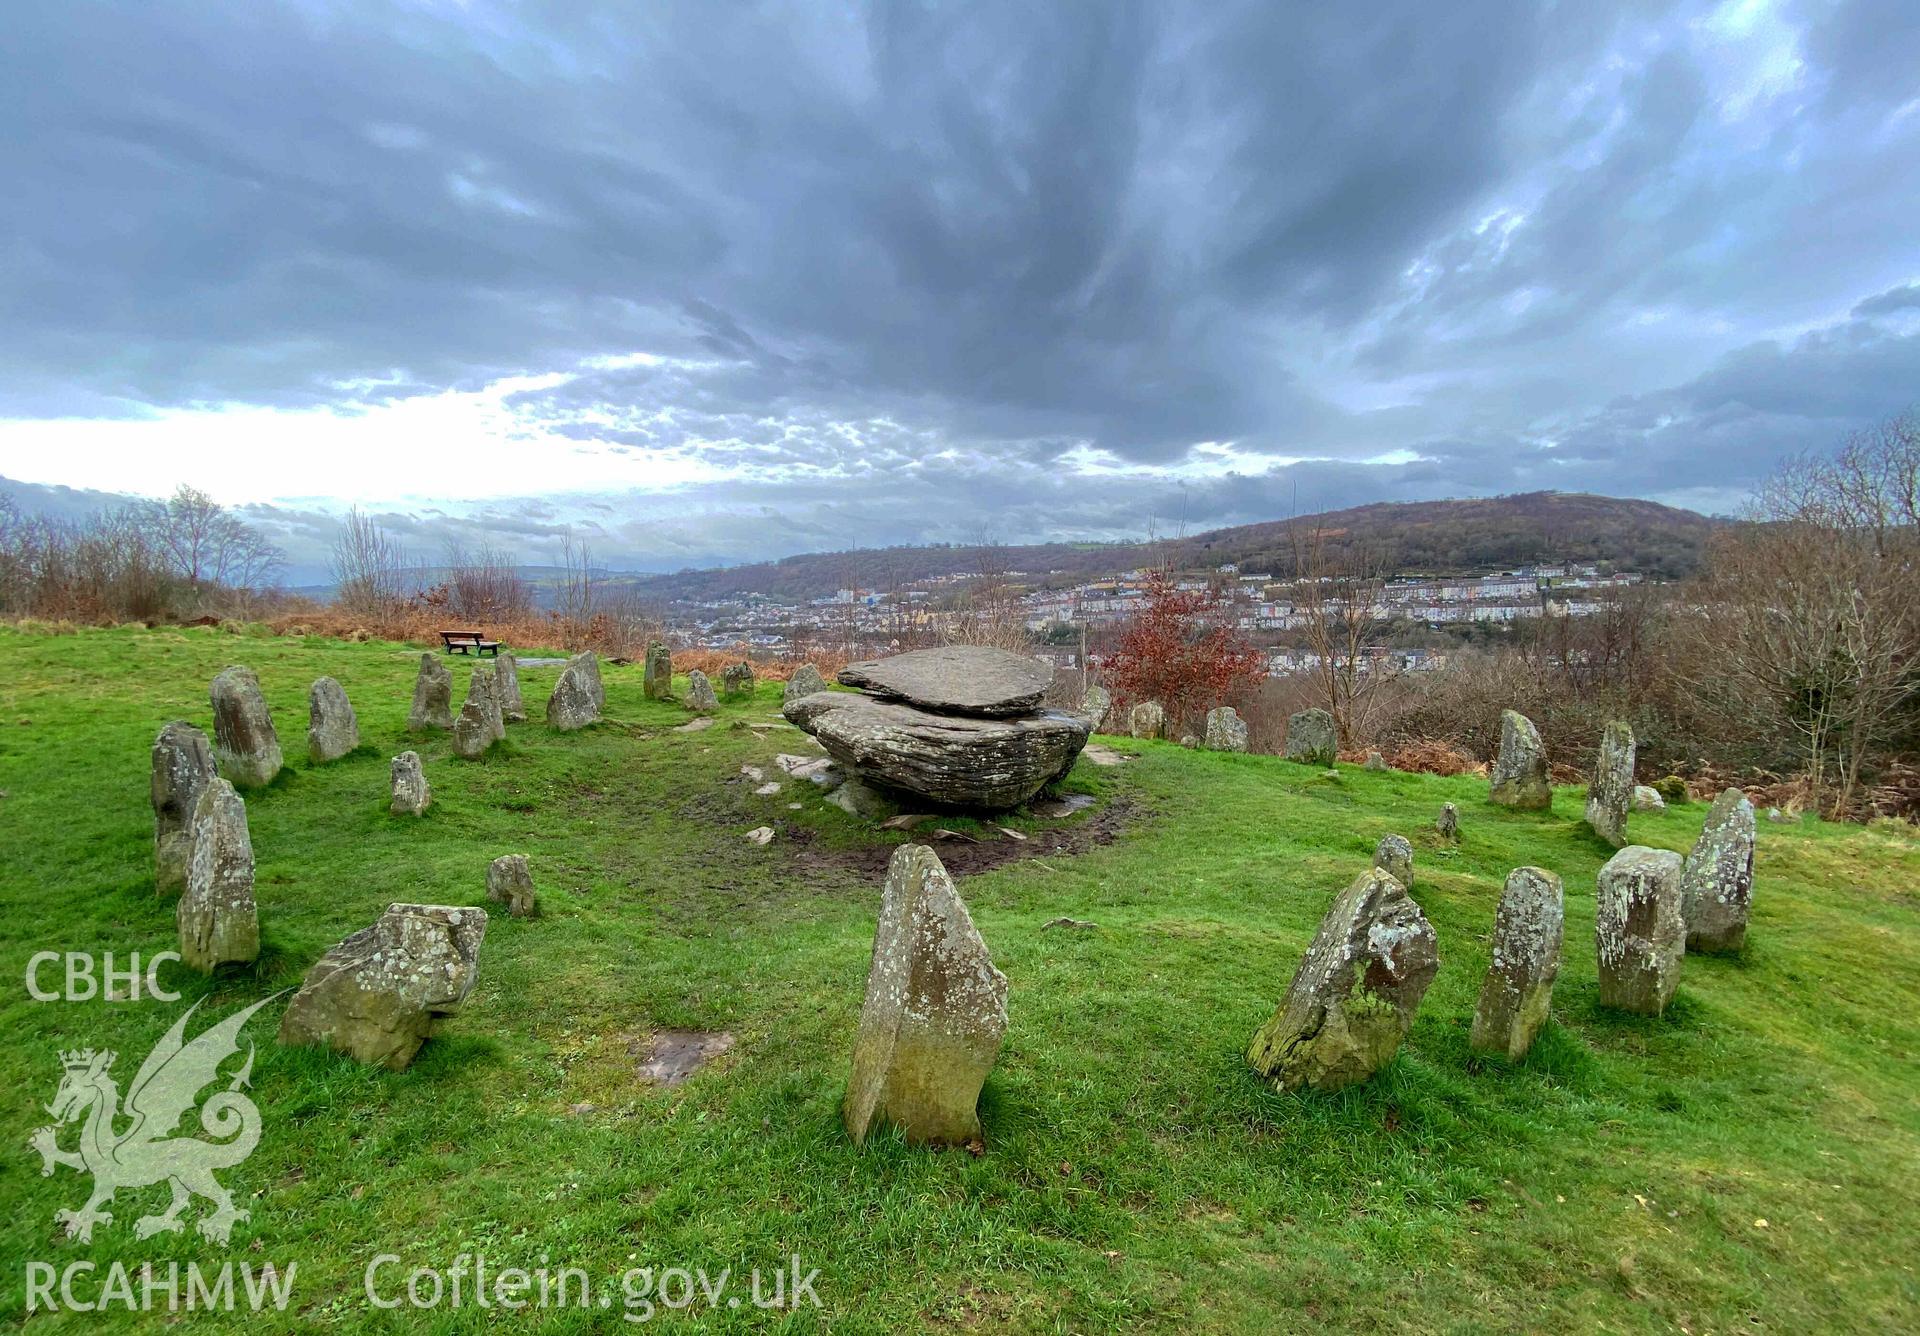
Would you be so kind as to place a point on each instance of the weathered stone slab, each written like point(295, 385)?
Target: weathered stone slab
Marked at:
point(1226, 730)
point(1394, 856)
point(935, 1012)
point(658, 682)
point(379, 994)
point(806, 680)
point(700, 697)
point(510, 881)
point(1612, 787)
point(182, 768)
point(1519, 776)
point(216, 916)
point(1716, 881)
point(245, 748)
point(956, 679)
point(411, 795)
point(577, 696)
point(1646, 798)
point(956, 760)
point(332, 730)
point(432, 696)
point(1517, 994)
point(506, 688)
point(1147, 720)
point(1311, 738)
point(1640, 934)
point(1353, 998)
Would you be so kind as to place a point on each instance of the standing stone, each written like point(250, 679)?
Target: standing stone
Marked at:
point(432, 696)
point(510, 881)
point(483, 689)
point(1095, 702)
point(1447, 827)
point(1640, 934)
point(332, 731)
point(506, 688)
point(216, 916)
point(410, 792)
point(1646, 798)
point(577, 697)
point(935, 1011)
point(1226, 730)
point(1394, 856)
point(1352, 999)
point(1612, 786)
point(1310, 737)
point(736, 679)
point(1519, 777)
point(1147, 720)
point(658, 682)
point(472, 731)
point(1716, 882)
point(1518, 990)
point(700, 697)
point(379, 994)
point(245, 747)
point(806, 681)
point(182, 768)
point(1376, 762)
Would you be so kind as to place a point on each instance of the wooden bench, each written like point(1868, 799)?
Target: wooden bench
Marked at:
point(463, 642)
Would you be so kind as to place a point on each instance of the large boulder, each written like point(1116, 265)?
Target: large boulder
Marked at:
point(700, 697)
point(245, 747)
point(432, 696)
point(216, 916)
point(1148, 719)
point(577, 695)
point(935, 1012)
point(1226, 730)
point(1519, 776)
point(806, 680)
point(1517, 993)
point(182, 768)
point(1611, 792)
point(506, 688)
point(410, 792)
point(1716, 881)
point(954, 760)
point(378, 995)
point(956, 679)
point(658, 682)
point(1311, 738)
point(1639, 932)
point(1354, 996)
point(1095, 702)
point(332, 730)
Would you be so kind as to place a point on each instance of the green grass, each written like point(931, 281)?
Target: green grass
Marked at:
point(1136, 1174)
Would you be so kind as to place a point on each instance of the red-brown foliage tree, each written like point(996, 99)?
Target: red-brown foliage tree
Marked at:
point(1173, 651)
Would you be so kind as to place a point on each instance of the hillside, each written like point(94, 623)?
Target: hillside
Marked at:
point(1742, 1163)
point(1438, 536)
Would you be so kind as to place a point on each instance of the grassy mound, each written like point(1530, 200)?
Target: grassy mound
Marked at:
point(1748, 1160)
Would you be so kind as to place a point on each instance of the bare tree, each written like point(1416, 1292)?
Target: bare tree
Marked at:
point(1338, 600)
point(484, 584)
point(206, 544)
point(369, 567)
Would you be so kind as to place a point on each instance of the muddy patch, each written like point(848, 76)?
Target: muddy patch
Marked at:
point(964, 854)
point(668, 1057)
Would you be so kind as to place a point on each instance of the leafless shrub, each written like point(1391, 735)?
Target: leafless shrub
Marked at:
point(369, 569)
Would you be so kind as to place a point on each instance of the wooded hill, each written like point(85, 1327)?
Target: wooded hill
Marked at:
point(1438, 537)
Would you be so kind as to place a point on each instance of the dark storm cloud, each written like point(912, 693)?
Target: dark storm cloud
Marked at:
point(902, 268)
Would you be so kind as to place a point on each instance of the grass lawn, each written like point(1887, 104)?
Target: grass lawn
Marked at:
point(1749, 1162)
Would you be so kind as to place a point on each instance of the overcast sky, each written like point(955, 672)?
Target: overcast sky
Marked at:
point(712, 282)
